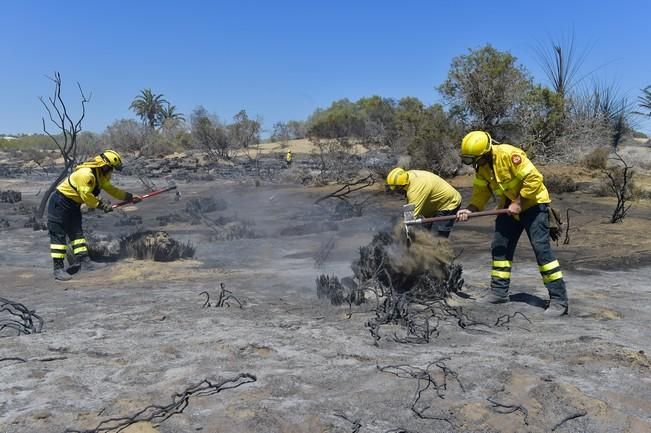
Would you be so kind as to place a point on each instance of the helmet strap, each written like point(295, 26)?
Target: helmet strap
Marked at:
point(488, 156)
point(105, 158)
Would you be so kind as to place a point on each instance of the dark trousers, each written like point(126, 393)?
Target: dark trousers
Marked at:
point(64, 221)
point(443, 228)
point(535, 221)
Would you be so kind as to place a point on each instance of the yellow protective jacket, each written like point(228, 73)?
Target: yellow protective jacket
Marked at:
point(512, 174)
point(430, 193)
point(85, 184)
point(288, 157)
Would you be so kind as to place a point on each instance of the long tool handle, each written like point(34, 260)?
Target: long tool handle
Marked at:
point(151, 194)
point(453, 217)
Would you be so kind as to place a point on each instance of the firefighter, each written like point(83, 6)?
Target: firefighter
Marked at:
point(288, 158)
point(431, 195)
point(505, 171)
point(64, 216)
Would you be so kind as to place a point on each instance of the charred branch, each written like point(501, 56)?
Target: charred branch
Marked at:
point(349, 187)
point(509, 408)
point(17, 317)
point(356, 424)
point(224, 298)
point(157, 414)
point(619, 179)
point(569, 418)
point(505, 320)
point(427, 380)
point(59, 116)
point(13, 358)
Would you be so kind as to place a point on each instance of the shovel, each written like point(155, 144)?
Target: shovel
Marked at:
point(148, 195)
point(409, 220)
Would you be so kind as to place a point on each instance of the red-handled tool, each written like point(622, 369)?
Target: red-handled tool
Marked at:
point(148, 195)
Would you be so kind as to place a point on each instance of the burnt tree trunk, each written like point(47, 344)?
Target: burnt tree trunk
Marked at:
point(67, 141)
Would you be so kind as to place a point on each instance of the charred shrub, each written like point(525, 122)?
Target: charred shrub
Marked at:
point(10, 196)
point(157, 246)
point(146, 245)
point(329, 287)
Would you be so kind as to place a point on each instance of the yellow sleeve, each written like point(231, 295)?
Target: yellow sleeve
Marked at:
point(84, 182)
point(481, 193)
point(114, 191)
point(531, 179)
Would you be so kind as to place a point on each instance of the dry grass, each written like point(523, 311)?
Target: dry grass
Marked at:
point(560, 183)
point(302, 146)
point(597, 159)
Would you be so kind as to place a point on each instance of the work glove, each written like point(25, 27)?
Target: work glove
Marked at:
point(463, 214)
point(132, 198)
point(105, 206)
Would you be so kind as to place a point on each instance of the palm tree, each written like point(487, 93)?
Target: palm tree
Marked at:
point(645, 101)
point(148, 106)
point(169, 112)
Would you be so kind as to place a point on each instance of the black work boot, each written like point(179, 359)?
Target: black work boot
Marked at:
point(59, 271)
point(88, 265)
point(493, 298)
point(555, 309)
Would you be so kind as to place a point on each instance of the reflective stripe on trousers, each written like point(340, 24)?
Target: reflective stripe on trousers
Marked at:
point(79, 246)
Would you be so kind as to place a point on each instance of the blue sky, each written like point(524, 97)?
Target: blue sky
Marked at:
point(283, 59)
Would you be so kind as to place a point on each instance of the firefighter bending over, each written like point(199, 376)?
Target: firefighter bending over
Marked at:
point(64, 216)
point(431, 195)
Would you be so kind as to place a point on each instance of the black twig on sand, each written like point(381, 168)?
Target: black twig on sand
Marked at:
point(426, 380)
point(399, 430)
point(505, 319)
point(420, 317)
point(21, 319)
point(223, 300)
point(356, 424)
point(509, 408)
point(569, 418)
point(157, 414)
point(206, 303)
point(13, 358)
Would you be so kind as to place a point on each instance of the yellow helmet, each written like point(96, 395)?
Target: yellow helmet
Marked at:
point(112, 158)
point(397, 177)
point(474, 145)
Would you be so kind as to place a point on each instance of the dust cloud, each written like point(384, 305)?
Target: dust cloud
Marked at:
point(425, 253)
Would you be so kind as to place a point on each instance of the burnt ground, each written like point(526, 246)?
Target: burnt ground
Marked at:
point(132, 334)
